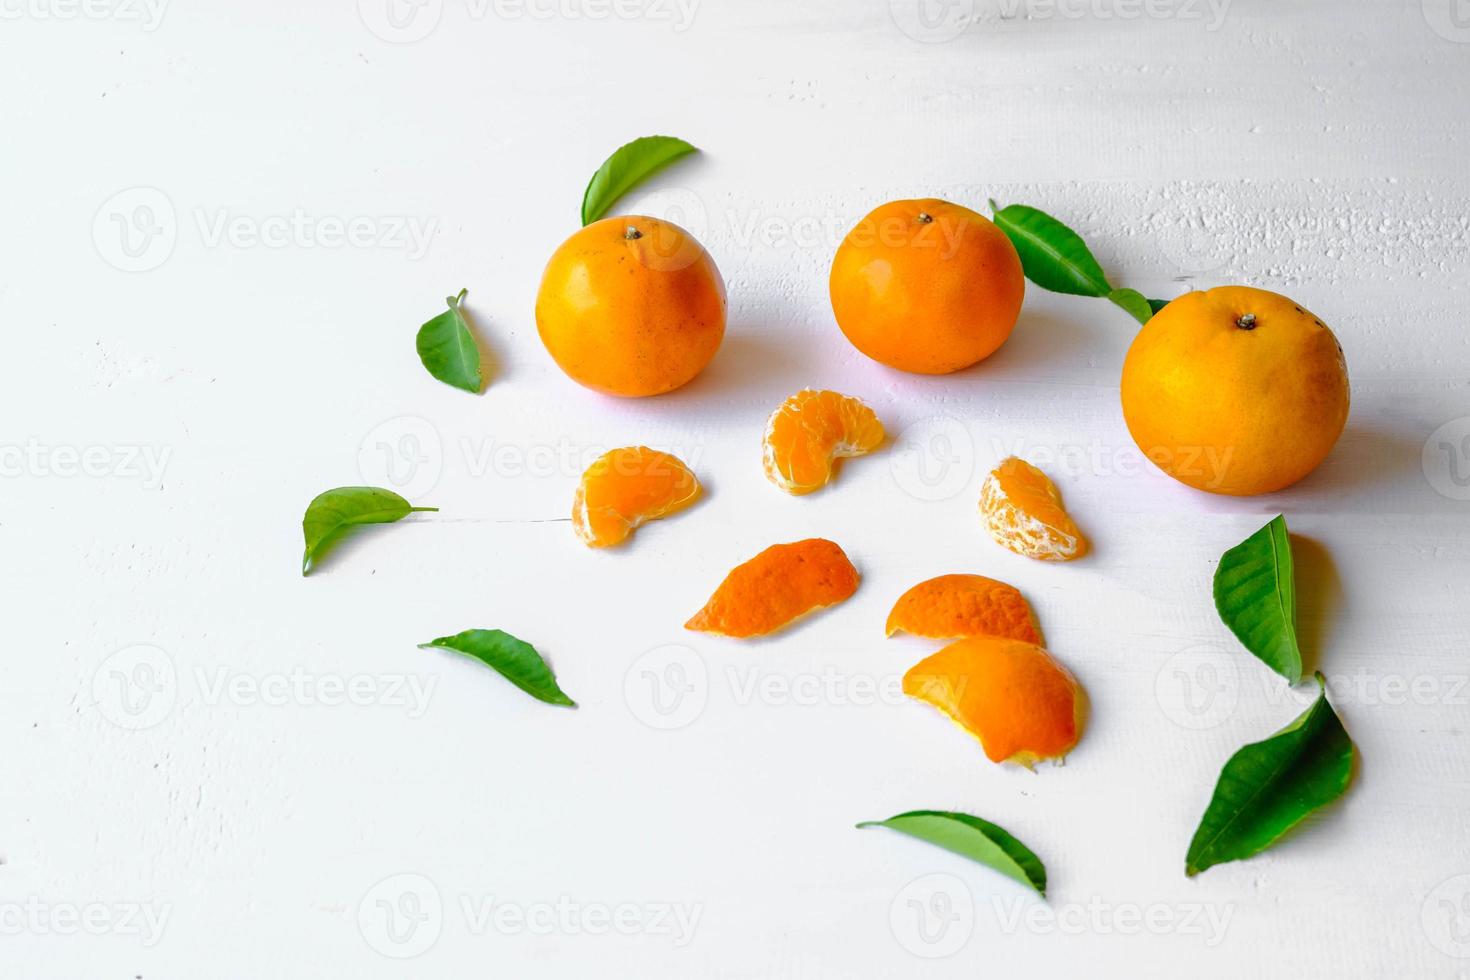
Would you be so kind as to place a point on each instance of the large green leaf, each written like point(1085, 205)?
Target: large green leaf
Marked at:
point(1053, 256)
point(448, 349)
point(629, 164)
point(334, 511)
point(1269, 787)
point(979, 840)
point(1255, 592)
point(1137, 305)
point(514, 659)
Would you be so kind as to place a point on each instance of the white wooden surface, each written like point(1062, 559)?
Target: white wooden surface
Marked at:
point(193, 351)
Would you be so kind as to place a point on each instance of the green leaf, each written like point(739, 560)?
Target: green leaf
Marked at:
point(1054, 256)
point(1255, 592)
point(334, 511)
point(979, 840)
point(629, 164)
point(1134, 302)
point(1269, 787)
point(448, 349)
point(1157, 304)
point(515, 660)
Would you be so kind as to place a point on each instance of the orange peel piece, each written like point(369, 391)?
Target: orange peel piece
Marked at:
point(625, 487)
point(777, 587)
point(953, 606)
point(1013, 696)
point(1023, 511)
point(810, 432)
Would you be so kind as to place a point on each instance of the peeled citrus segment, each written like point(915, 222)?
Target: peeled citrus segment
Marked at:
point(810, 432)
point(953, 606)
point(625, 487)
point(1021, 704)
point(1023, 511)
point(776, 587)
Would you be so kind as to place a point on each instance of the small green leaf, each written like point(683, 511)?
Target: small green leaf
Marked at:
point(1134, 302)
point(448, 349)
point(629, 164)
point(1157, 304)
point(336, 510)
point(1255, 592)
point(979, 840)
point(1269, 787)
point(1054, 256)
point(515, 660)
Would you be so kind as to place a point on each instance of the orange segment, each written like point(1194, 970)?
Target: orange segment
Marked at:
point(625, 487)
point(1022, 510)
point(776, 587)
point(810, 431)
point(1021, 704)
point(964, 605)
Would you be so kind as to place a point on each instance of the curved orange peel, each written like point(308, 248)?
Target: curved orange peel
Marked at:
point(1020, 703)
point(777, 587)
point(953, 606)
point(1023, 511)
point(810, 432)
point(625, 487)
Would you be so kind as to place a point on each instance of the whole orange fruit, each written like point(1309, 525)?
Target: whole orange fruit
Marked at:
point(926, 286)
point(1235, 390)
point(631, 306)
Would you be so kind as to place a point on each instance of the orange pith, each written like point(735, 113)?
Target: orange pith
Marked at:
point(1023, 511)
point(625, 487)
point(810, 431)
point(953, 606)
point(776, 587)
point(1021, 704)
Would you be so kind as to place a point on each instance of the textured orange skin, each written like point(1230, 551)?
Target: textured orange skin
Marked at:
point(807, 434)
point(1020, 703)
point(953, 606)
point(932, 297)
point(631, 317)
point(1023, 511)
point(623, 488)
point(777, 586)
point(1230, 410)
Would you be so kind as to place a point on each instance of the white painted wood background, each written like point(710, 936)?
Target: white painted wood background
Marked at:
point(194, 348)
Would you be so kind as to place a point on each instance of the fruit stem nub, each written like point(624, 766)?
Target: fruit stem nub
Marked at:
point(925, 217)
point(632, 233)
point(1247, 321)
